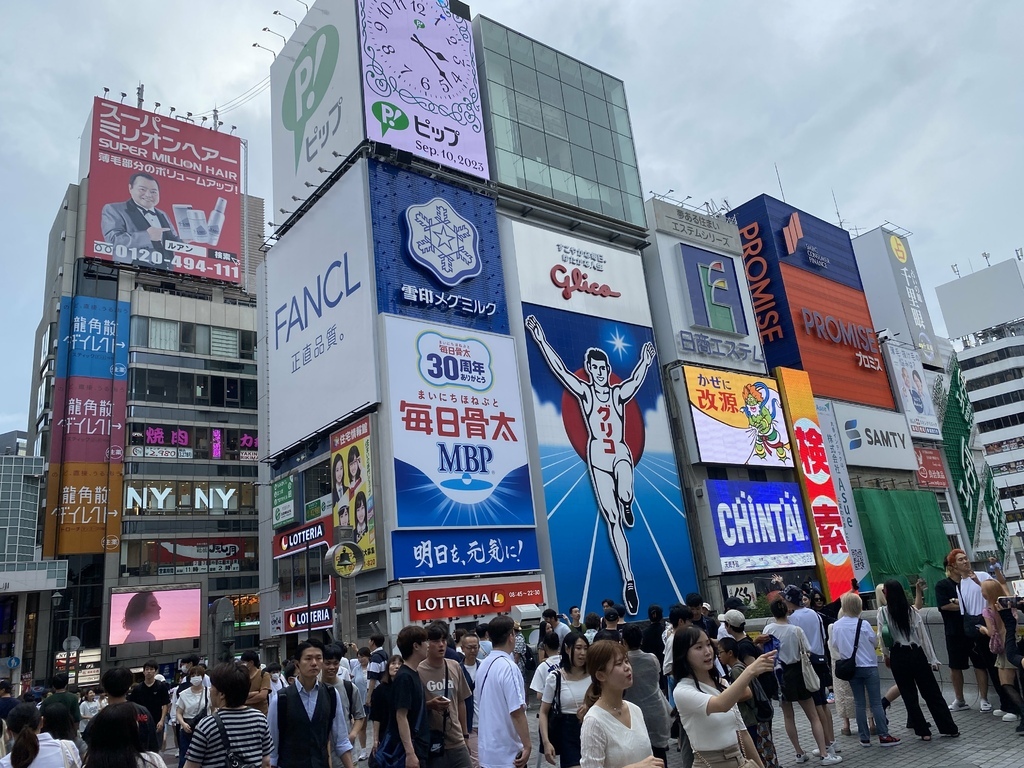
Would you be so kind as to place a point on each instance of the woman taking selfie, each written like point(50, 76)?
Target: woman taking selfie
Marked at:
point(707, 705)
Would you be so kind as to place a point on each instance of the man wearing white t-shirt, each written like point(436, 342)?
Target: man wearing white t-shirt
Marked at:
point(972, 603)
point(504, 734)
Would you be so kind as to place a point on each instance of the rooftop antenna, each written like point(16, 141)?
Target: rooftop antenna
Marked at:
point(216, 123)
point(303, 5)
point(139, 93)
point(956, 270)
point(663, 195)
point(777, 176)
point(1020, 254)
point(836, 204)
point(987, 257)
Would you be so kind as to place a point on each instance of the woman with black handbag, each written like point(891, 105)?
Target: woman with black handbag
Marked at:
point(854, 641)
point(561, 709)
point(192, 706)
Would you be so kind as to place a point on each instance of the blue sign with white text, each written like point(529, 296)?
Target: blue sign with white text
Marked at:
point(436, 251)
point(97, 338)
point(759, 526)
point(447, 552)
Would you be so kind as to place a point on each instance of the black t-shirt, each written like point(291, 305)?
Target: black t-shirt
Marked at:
point(746, 648)
point(6, 705)
point(407, 693)
point(380, 704)
point(945, 593)
point(652, 641)
point(152, 697)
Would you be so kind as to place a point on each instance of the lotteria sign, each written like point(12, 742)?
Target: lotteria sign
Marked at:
point(815, 475)
point(759, 525)
point(311, 617)
point(472, 599)
point(315, 534)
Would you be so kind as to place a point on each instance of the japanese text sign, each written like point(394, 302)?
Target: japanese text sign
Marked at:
point(472, 599)
point(931, 473)
point(738, 418)
point(815, 475)
point(164, 194)
point(352, 499)
point(283, 501)
point(84, 506)
point(458, 553)
point(457, 428)
point(911, 295)
point(957, 427)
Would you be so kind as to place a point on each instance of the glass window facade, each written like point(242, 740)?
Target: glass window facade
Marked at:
point(555, 126)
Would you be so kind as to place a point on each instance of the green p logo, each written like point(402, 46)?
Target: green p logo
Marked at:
point(389, 116)
point(308, 82)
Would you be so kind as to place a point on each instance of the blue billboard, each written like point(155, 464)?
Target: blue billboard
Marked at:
point(461, 553)
point(615, 514)
point(759, 526)
point(96, 335)
point(436, 251)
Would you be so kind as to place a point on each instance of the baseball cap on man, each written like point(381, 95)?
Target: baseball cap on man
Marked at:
point(794, 595)
point(733, 618)
point(611, 615)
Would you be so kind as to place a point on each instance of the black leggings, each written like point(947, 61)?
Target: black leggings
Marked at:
point(913, 674)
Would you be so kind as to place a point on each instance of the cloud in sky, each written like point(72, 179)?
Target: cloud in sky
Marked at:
point(907, 112)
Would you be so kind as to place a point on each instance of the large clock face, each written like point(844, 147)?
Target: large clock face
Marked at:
point(420, 88)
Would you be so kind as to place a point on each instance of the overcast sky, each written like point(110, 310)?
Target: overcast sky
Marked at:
point(909, 111)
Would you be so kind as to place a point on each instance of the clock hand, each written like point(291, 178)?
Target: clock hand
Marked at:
point(428, 51)
point(440, 57)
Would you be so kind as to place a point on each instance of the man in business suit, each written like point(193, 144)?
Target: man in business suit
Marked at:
point(138, 223)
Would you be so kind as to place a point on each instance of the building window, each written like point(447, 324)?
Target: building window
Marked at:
point(163, 334)
point(224, 342)
point(718, 473)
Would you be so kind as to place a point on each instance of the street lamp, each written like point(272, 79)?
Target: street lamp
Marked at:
point(71, 643)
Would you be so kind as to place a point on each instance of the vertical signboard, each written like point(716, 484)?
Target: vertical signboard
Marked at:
point(914, 306)
point(844, 493)
point(737, 418)
point(461, 467)
point(314, 100)
point(283, 501)
point(930, 471)
point(606, 454)
point(420, 88)
point(436, 251)
point(996, 516)
point(957, 427)
point(85, 485)
point(815, 474)
point(164, 194)
point(352, 502)
point(914, 398)
point(320, 313)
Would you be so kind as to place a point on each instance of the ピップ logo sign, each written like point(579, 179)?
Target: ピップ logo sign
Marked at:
point(308, 82)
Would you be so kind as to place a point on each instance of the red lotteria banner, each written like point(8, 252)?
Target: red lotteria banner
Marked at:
point(816, 482)
point(164, 194)
point(472, 599)
point(931, 473)
point(320, 616)
point(315, 534)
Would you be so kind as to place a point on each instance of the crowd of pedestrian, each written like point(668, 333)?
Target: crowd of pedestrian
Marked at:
point(611, 694)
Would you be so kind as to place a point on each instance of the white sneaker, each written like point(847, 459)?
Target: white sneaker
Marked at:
point(984, 706)
point(958, 705)
point(362, 756)
point(831, 759)
point(832, 748)
point(998, 712)
point(1009, 717)
point(802, 758)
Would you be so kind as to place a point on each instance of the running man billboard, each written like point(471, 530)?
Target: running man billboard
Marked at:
point(615, 516)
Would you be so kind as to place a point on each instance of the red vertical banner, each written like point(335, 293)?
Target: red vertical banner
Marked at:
point(815, 474)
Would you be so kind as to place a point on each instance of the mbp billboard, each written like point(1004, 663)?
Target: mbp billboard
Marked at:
point(314, 100)
point(420, 88)
point(759, 526)
point(737, 418)
point(874, 438)
point(164, 194)
point(695, 277)
point(460, 459)
point(320, 310)
point(436, 251)
point(607, 464)
point(809, 301)
point(915, 399)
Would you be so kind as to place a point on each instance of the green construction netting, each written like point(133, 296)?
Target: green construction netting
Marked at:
point(904, 537)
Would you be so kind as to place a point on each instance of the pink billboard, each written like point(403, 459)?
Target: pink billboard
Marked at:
point(148, 615)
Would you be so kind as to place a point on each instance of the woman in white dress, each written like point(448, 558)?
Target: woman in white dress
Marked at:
point(571, 682)
point(614, 734)
point(707, 705)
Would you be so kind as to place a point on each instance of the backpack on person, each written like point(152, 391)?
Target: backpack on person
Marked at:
point(529, 659)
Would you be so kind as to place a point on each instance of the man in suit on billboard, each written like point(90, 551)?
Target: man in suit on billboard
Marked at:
point(137, 222)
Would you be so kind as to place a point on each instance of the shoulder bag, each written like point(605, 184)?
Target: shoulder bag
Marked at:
point(972, 622)
point(732, 757)
point(884, 633)
point(811, 680)
point(847, 668)
point(193, 722)
point(234, 759)
point(555, 714)
point(437, 735)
